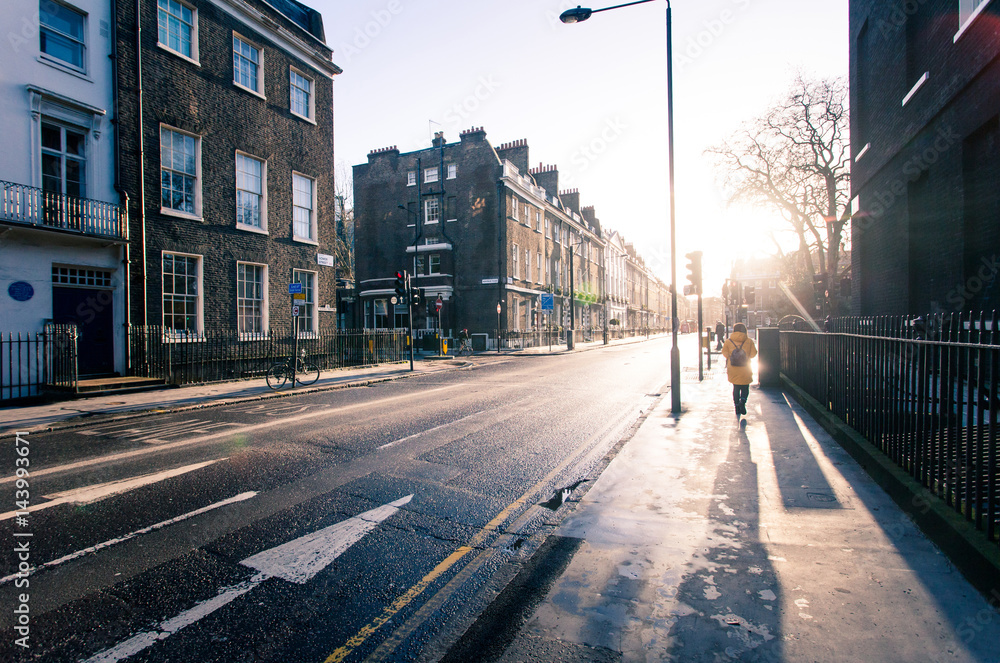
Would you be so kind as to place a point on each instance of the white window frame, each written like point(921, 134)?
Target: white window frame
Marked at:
point(311, 110)
point(968, 12)
point(199, 301)
point(427, 211)
point(430, 175)
point(313, 237)
point(517, 265)
point(260, 65)
point(262, 228)
point(48, 58)
point(527, 264)
point(539, 262)
point(411, 178)
point(309, 301)
point(263, 301)
point(196, 197)
point(433, 264)
point(452, 171)
point(194, 56)
point(65, 156)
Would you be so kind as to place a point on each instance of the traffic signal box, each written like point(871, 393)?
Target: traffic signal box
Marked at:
point(694, 271)
point(401, 286)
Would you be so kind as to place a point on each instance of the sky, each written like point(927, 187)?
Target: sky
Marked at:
point(590, 98)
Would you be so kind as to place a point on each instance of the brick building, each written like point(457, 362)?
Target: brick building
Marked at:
point(925, 100)
point(226, 117)
point(475, 227)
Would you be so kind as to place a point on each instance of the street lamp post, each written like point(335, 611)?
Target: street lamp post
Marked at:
point(582, 14)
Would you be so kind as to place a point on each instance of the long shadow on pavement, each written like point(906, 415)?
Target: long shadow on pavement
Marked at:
point(732, 592)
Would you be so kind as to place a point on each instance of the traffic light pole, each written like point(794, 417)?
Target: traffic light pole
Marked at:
point(701, 334)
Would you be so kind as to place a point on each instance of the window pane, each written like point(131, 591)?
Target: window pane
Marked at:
point(61, 33)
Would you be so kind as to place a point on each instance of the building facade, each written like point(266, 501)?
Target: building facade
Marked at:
point(62, 231)
point(226, 112)
point(477, 228)
point(925, 128)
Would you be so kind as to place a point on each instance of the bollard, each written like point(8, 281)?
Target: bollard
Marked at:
point(769, 357)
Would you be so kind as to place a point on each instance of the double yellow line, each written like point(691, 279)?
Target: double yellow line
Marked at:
point(478, 540)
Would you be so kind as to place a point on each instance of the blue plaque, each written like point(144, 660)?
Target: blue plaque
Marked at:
point(20, 291)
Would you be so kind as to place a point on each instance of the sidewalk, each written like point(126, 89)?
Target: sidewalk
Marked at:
point(704, 540)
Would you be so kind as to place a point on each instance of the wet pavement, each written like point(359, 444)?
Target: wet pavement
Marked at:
point(709, 539)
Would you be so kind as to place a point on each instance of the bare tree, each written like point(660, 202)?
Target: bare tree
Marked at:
point(343, 245)
point(795, 160)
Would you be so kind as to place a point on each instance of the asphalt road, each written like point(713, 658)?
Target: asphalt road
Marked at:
point(370, 523)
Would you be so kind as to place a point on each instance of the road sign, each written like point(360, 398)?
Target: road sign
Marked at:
point(299, 295)
point(490, 281)
point(438, 304)
point(294, 288)
point(548, 302)
point(295, 311)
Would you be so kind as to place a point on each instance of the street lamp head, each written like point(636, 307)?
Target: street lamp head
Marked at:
point(575, 15)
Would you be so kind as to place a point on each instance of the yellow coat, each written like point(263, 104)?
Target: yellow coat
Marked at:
point(739, 374)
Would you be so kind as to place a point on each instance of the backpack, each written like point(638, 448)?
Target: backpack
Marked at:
point(739, 356)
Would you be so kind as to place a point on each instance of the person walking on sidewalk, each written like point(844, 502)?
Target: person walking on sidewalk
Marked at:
point(738, 350)
point(720, 333)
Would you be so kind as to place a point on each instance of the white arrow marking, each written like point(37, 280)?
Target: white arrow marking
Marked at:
point(296, 561)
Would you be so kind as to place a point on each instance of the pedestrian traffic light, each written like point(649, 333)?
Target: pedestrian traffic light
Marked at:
point(401, 286)
point(694, 269)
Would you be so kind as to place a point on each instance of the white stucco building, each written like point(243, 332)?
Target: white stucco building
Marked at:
point(62, 232)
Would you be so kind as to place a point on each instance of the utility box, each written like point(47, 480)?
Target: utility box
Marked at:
point(769, 357)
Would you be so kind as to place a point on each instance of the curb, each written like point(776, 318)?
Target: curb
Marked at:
point(967, 548)
point(88, 418)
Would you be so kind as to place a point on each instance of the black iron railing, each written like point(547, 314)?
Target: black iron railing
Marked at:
point(25, 205)
point(34, 363)
point(218, 355)
point(932, 406)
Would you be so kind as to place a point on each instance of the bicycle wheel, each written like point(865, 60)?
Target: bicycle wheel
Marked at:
point(306, 372)
point(277, 376)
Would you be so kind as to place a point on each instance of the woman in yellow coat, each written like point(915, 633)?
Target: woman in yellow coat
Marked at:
point(740, 373)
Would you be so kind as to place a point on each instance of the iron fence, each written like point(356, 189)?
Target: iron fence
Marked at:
point(932, 406)
point(213, 356)
point(34, 363)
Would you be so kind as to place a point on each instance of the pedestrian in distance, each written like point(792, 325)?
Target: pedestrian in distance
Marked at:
point(720, 333)
point(738, 350)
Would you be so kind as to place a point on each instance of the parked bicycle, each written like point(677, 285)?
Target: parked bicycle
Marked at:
point(285, 373)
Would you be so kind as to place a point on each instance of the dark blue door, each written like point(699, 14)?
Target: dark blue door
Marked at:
point(92, 311)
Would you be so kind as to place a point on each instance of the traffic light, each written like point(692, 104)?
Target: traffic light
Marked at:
point(819, 291)
point(401, 283)
point(416, 296)
point(749, 292)
point(694, 269)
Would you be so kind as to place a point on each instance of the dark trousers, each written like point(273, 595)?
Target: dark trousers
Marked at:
point(740, 393)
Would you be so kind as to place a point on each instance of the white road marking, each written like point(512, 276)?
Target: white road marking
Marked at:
point(429, 430)
point(100, 491)
point(131, 535)
point(124, 455)
point(296, 561)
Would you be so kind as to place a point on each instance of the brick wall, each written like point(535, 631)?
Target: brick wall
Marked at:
point(204, 101)
point(919, 242)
